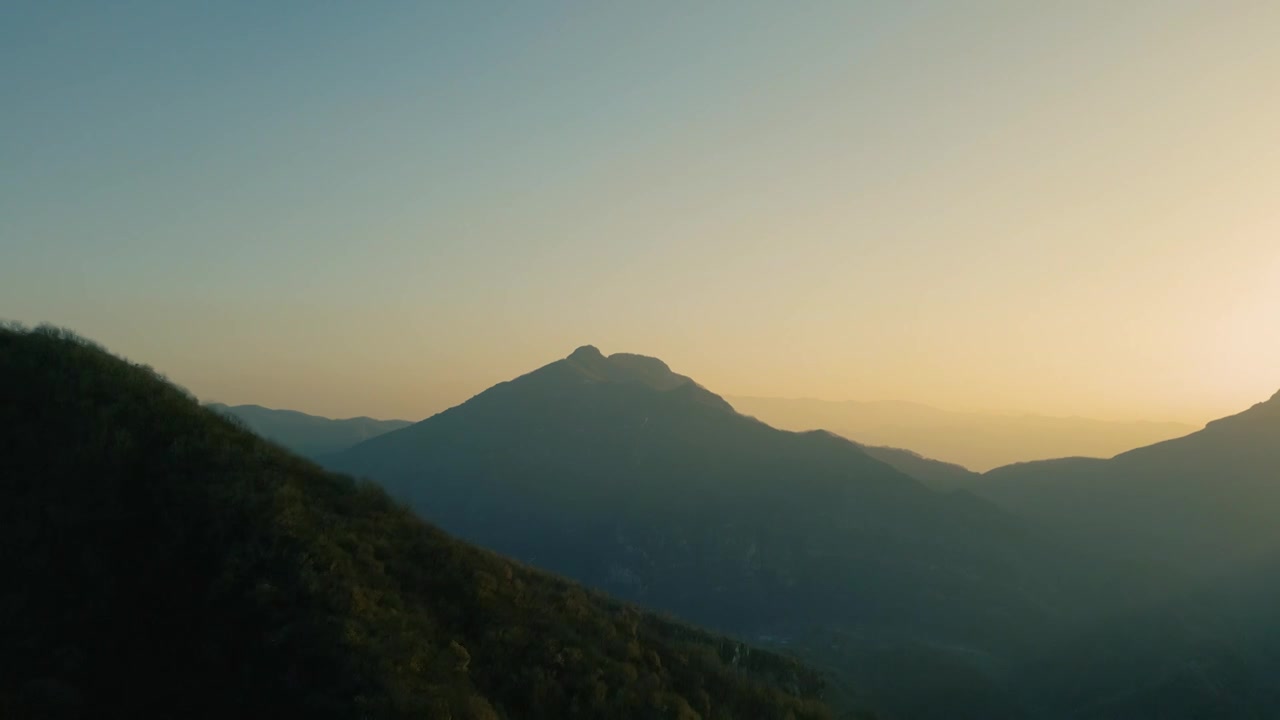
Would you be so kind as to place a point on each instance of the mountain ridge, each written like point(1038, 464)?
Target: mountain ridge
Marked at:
point(1197, 502)
point(976, 441)
point(672, 499)
point(306, 434)
point(220, 406)
point(164, 561)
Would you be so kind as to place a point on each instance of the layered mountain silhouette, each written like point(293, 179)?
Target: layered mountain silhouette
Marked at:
point(622, 474)
point(161, 561)
point(978, 441)
point(1203, 504)
point(936, 474)
point(165, 561)
point(316, 436)
point(309, 435)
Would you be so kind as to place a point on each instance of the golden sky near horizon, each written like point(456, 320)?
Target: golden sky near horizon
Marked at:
point(1061, 208)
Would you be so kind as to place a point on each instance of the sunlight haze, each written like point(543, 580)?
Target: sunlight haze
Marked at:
point(383, 208)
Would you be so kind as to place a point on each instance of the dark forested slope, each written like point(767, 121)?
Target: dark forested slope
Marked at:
point(161, 561)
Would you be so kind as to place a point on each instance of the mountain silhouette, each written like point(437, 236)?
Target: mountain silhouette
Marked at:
point(622, 474)
point(161, 561)
point(936, 474)
point(974, 440)
point(309, 435)
point(1202, 504)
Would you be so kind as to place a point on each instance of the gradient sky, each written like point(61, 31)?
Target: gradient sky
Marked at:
point(383, 207)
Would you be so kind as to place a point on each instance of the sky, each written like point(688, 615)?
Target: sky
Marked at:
point(381, 208)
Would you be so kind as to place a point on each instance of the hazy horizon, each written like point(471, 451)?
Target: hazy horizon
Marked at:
point(381, 210)
point(460, 392)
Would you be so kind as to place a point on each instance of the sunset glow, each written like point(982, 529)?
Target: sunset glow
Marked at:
point(1066, 208)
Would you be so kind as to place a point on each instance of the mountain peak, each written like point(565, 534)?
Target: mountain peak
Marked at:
point(587, 361)
point(633, 360)
point(586, 352)
point(649, 370)
point(624, 367)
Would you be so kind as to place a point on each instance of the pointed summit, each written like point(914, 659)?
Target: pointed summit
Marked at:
point(590, 363)
point(624, 368)
point(586, 352)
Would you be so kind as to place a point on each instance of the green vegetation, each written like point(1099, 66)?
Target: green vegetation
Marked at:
point(162, 561)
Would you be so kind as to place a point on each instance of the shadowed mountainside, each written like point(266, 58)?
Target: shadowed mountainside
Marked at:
point(626, 476)
point(1204, 503)
point(162, 561)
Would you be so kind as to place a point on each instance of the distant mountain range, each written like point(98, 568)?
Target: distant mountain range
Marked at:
point(1147, 585)
point(315, 436)
point(1205, 503)
point(160, 561)
point(977, 441)
point(622, 474)
point(308, 435)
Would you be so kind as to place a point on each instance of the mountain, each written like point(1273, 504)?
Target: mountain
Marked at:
point(308, 435)
point(161, 561)
point(1202, 504)
point(622, 474)
point(933, 473)
point(978, 441)
point(314, 436)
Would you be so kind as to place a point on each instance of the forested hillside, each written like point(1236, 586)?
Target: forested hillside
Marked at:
point(161, 561)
